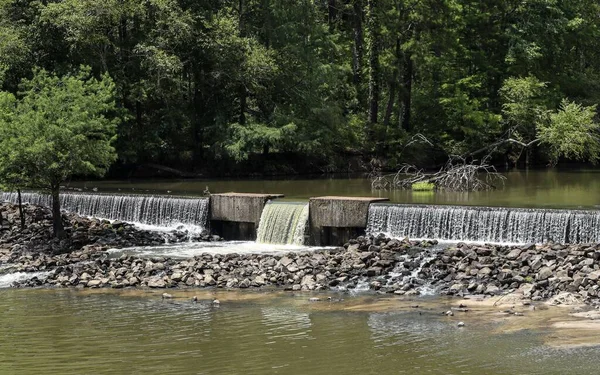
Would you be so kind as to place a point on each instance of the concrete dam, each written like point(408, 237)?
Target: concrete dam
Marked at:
point(328, 220)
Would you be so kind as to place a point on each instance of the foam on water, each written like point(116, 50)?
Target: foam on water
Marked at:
point(189, 249)
point(7, 280)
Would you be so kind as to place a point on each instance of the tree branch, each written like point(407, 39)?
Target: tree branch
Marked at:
point(501, 142)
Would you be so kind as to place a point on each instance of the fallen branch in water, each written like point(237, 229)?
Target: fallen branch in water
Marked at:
point(456, 175)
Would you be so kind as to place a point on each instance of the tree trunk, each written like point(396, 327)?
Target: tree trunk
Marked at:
point(331, 14)
point(242, 88)
point(197, 124)
point(357, 51)
point(374, 88)
point(393, 87)
point(57, 225)
point(266, 5)
point(408, 77)
point(20, 210)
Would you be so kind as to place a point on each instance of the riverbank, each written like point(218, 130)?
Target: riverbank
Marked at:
point(558, 273)
point(84, 234)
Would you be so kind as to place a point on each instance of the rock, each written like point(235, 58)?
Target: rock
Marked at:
point(156, 283)
point(94, 283)
point(374, 271)
point(484, 272)
point(244, 284)
point(492, 290)
point(209, 280)
point(455, 288)
point(285, 261)
point(594, 276)
point(544, 273)
point(167, 296)
point(460, 324)
point(308, 282)
point(259, 280)
point(514, 254)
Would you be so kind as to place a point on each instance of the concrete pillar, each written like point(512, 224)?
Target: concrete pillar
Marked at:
point(235, 216)
point(335, 220)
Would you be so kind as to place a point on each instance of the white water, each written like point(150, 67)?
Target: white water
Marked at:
point(484, 224)
point(7, 280)
point(283, 223)
point(146, 211)
point(423, 286)
point(189, 249)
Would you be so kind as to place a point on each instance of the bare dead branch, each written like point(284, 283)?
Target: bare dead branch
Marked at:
point(456, 175)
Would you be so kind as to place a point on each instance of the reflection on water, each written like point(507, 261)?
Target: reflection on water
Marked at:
point(536, 188)
point(136, 332)
point(285, 324)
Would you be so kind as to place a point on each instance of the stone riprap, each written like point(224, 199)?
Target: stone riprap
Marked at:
point(401, 267)
point(36, 238)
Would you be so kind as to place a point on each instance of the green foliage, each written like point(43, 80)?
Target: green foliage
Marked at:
point(58, 127)
point(572, 132)
point(258, 138)
point(523, 103)
point(423, 186)
point(198, 80)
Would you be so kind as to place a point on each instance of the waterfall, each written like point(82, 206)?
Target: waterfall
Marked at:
point(165, 212)
point(283, 223)
point(485, 224)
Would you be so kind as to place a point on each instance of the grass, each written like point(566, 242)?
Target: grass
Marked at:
point(423, 186)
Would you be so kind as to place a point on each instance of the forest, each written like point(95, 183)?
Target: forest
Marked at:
point(289, 86)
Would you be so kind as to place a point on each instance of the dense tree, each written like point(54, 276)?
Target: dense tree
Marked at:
point(56, 128)
point(210, 81)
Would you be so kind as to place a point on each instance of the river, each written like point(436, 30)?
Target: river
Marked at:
point(137, 332)
point(548, 188)
point(103, 331)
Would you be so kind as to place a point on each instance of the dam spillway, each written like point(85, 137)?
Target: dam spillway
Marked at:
point(154, 210)
point(329, 221)
point(283, 223)
point(484, 224)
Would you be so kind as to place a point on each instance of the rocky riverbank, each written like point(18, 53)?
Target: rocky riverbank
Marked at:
point(367, 259)
point(380, 264)
point(401, 267)
point(36, 239)
point(550, 271)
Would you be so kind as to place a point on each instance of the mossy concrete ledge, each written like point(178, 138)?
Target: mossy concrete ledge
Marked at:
point(235, 216)
point(335, 220)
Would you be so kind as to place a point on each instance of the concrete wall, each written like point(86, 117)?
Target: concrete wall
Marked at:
point(235, 216)
point(335, 220)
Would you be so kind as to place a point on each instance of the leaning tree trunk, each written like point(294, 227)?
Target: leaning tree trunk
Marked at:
point(20, 210)
point(57, 225)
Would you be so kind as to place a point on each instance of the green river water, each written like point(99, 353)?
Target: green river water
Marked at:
point(535, 188)
point(136, 332)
